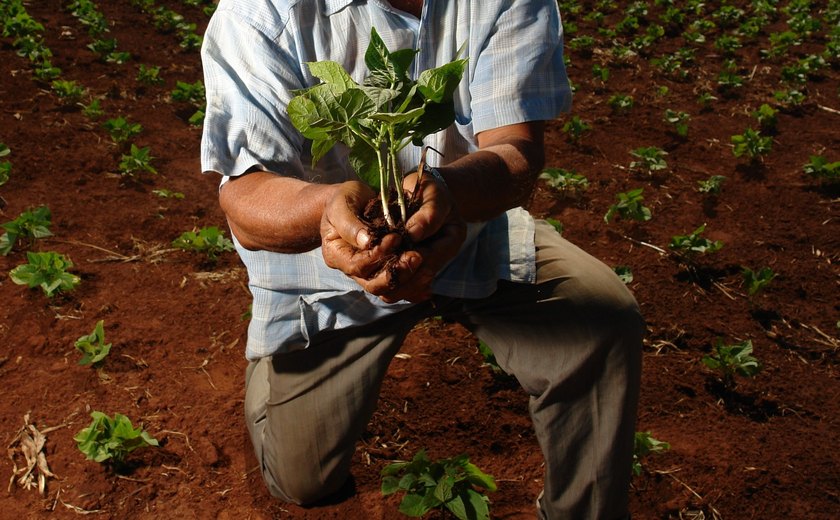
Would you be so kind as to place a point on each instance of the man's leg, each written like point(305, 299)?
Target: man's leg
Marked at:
point(574, 343)
point(306, 410)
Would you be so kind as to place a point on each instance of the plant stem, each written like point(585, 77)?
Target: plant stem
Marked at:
point(397, 174)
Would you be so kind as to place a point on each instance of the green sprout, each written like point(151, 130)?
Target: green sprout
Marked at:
point(757, 281)
point(712, 185)
point(208, 240)
point(752, 144)
point(565, 181)
point(693, 244)
point(47, 270)
point(575, 128)
point(732, 360)
point(454, 484)
point(679, 120)
point(819, 167)
point(137, 160)
point(121, 129)
point(109, 440)
point(649, 159)
point(31, 224)
point(643, 445)
point(93, 346)
point(629, 207)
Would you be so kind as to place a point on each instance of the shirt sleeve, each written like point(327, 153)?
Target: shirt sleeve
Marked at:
point(249, 76)
point(519, 74)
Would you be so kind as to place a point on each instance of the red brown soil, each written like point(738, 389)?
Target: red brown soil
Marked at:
point(767, 451)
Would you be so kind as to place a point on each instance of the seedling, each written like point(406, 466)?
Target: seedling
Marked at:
point(757, 281)
point(629, 207)
point(208, 240)
point(752, 144)
point(137, 160)
point(566, 181)
point(767, 117)
point(31, 224)
point(624, 273)
point(732, 360)
point(93, 346)
point(5, 165)
point(45, 71)
point(454, 484)
point(643, 445)
point(819, 168)
point(192, 93)
point(620, 102)
point(149, 75)
point(47, 270)
point(109, 441)
point(489, 358)
point(93, 110)
point(712, 185)
point(377, 119)
point(693, 244)
point(69, 92)
point(121, 129)
point(705, 99)
point(600, 72)
point(679, 120)
point(168, 194)
point(556, 224)
point(650, 159)
point(789, 98)
point(575, 128)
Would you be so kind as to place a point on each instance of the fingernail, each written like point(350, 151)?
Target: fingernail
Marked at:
point(362, 239)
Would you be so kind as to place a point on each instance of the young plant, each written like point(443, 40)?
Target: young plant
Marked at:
point(137, 160)
point(624, 273)
point(819, 168)
point(732, 360)
point(168, 194)
point(767, 117)
point(208, 240)
point(149, 75)
point(109, 440)
point(565, 181)
point(712, 185)
point(121, 129)
point(620, 102)
point(679, 120)
point(629, 207)
point(649, 159)
point(752, 144)
point(93, 346)
point(31, 224)
point(489, 357)
point(192, 93)
point(556, 224)
point(643, 445)
point(69, 92)
point(47, 270)
point(454, 484)
point(93, 110)
point(757, 281)
point(693, 244)
point(378, 118)
point(575, 128)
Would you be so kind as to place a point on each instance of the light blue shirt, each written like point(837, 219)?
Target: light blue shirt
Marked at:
point(254, 57)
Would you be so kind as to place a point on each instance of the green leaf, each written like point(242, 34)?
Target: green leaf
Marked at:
point(413, 505)
point(363, 160)
point(443, 489)
point(333, 73)
point(477, 477)
point(439, 84)
point(390, 485)
point(469, 505)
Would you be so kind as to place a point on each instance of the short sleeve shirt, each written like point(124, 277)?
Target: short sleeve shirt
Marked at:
point(254, 58)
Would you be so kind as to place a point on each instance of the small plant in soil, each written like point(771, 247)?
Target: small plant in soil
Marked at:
point(752, 144)
point(624, 273)
point(732, 360)
point(790, 99)
point(137, 160)
point(454, 484)
point(45, 71)
point(643, 445)
point(620, 103)
point(194, 94)
point(121, 129)
point(757, 281)
point(565, 181)
point(109, 440)
point(31, 224)
point(679, 120)
point(575, 128)
point(93, 110)
point(693, 244)
point(600, 72)
point(712, 185)
point(47, 270)
point(168, 194)
point(556, 224)
point(149, 75)
point(489, 358)
point(378, 118)
point(767, 117)
point(629, 207)
point(93, 346)
point(208, 240)
point(820, 168)
point(68, 91)
point(649, 159)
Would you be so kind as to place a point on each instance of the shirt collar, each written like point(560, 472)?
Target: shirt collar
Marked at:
point(334, 6)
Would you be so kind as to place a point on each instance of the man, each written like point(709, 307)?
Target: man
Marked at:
point(327, 320)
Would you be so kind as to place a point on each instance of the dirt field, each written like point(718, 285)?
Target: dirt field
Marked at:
point(767, 449)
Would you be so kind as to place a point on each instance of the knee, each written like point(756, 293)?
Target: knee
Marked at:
point(301, 483)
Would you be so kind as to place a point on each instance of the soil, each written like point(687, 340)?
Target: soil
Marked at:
point(178, 323)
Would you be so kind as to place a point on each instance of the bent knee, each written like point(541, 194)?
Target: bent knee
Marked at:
point(302, 486)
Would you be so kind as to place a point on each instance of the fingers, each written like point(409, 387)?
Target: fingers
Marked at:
point(436, 207)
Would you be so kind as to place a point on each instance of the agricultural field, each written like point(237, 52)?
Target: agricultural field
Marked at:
point(701, 160)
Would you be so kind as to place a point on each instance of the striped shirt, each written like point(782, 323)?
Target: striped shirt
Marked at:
point(254, 57)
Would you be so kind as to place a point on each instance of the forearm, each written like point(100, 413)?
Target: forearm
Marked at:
point(275, 213)
point(499, 176)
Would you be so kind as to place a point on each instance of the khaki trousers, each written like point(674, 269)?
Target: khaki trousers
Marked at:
point(573, 341)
